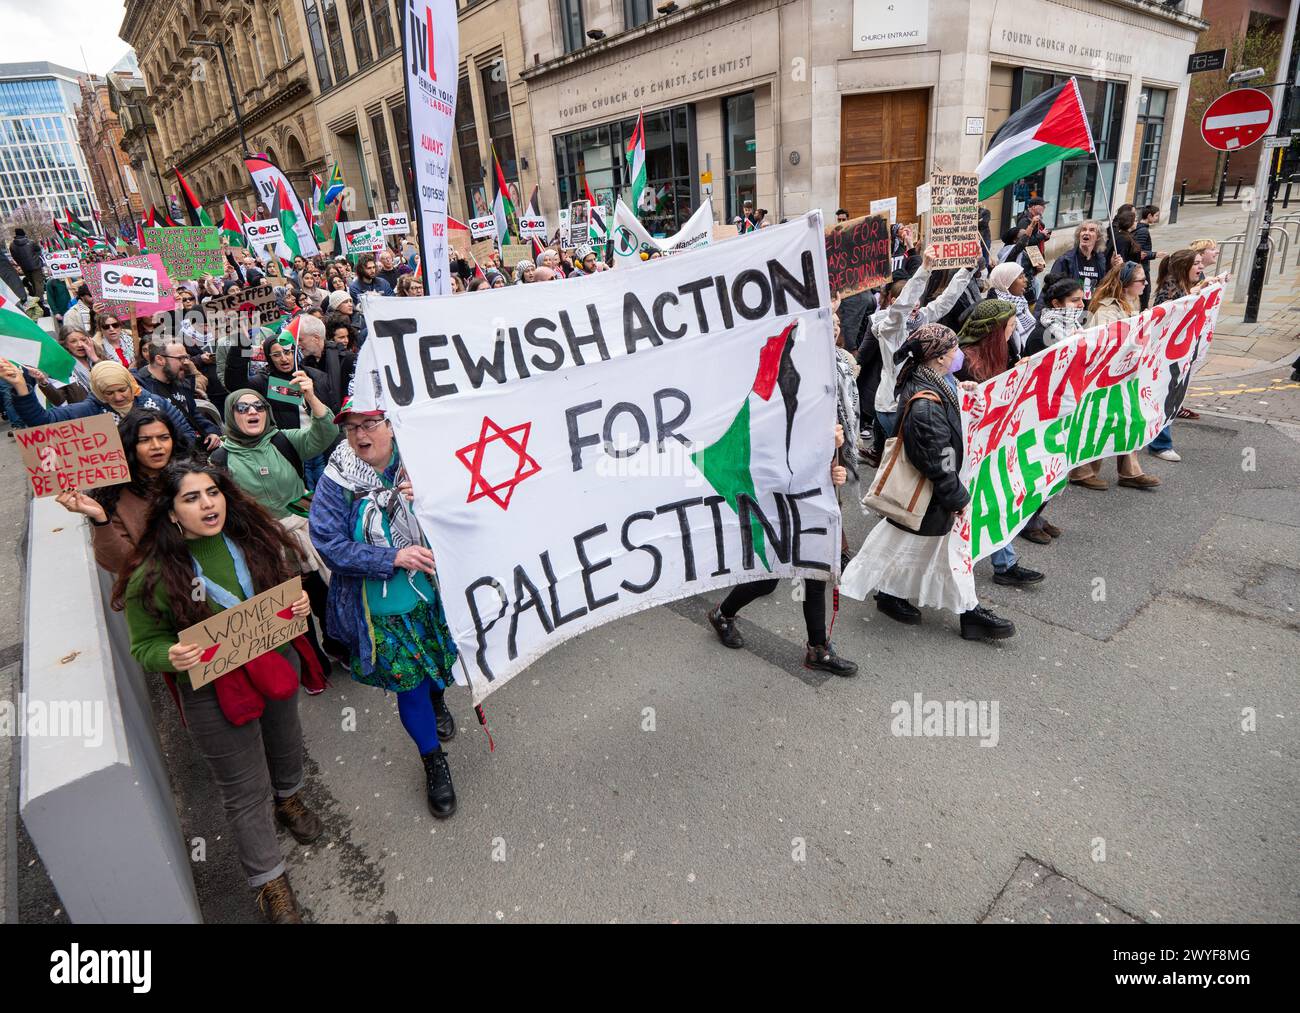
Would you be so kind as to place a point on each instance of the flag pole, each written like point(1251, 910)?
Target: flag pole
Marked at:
point(1101, 176)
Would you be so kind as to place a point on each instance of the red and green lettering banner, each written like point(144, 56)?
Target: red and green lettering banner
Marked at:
point(1108, 391)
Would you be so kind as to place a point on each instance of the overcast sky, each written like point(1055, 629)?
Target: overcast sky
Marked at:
point(59, 30)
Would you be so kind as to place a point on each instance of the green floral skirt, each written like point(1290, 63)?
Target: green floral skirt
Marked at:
point(410, 648)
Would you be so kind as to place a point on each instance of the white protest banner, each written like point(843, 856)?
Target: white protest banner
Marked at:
point(887, 206)
point(264, 232)
point(631, 239)
point(430, 55)
point(1108, 391)
point(616, 442)
point(395, 223)
point(533, 227)
point(266, 178)
point(62, 264)
point(923, 198)
point(128, 284)
point(362, 236)
point(483, 228)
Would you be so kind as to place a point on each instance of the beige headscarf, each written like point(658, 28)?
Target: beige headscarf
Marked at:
point(111, 374)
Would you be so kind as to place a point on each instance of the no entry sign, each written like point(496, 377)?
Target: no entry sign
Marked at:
point(1237, 120)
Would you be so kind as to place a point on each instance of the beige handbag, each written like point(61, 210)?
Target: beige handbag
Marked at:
point(899, 491)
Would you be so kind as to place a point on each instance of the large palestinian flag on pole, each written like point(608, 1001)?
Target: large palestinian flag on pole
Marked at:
point(231, 231)
point(635, 155)
point(193, 206)
point(27, 343)
point(1051, 128)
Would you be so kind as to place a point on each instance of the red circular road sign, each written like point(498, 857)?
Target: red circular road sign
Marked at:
point(1237, 120)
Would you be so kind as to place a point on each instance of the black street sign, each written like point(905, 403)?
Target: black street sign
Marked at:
point(1215, 59)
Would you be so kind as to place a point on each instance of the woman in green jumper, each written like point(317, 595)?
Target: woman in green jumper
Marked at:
point(267, 463)
point(203, 533)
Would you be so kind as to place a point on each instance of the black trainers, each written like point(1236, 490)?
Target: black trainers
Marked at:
point(824, 659)
point(442, 796)
point(981, 624)
point(726, 629)
point(1017, 576)
point(446, 723)
point(898, 609)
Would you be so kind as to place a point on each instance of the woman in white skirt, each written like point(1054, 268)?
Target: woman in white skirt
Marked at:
point(926, 566)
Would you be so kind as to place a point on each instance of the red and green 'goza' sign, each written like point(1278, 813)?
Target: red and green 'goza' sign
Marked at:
point(1108, 391)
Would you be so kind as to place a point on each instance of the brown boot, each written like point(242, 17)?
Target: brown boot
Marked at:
point(1052, 530)
point(300, 821)
point(1098, 484)
point(1139, 481)
point(278, 904)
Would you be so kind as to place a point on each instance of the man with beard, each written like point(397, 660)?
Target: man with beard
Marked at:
point(166, 376)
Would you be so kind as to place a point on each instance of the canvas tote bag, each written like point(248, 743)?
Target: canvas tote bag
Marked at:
point(899, 491)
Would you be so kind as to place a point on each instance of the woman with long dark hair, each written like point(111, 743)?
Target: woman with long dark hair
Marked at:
point(204, 533)
point(119, 514)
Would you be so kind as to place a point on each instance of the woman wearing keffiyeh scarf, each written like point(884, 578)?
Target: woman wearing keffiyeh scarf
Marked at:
point(1008, 283)
point(382, 603)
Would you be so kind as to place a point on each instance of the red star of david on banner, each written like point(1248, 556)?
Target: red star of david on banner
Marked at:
point(516, 439)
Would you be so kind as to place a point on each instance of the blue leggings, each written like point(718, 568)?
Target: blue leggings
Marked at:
point(415, 708)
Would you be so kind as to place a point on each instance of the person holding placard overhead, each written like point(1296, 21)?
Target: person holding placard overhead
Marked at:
point(245, 723)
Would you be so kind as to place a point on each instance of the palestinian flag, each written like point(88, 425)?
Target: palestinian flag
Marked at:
point(139, 236)
point(194, 208)
point(502, 209)
point(24, 341)
point(765, 416)
point(230, 230)
point(315, 209)
point(636, 160)
point(1051, 128)
point(58, 241)
point(333, 190)
point(283, 210)
point(74, 226)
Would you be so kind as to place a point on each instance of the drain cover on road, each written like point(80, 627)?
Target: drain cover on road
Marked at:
point(1036, 895)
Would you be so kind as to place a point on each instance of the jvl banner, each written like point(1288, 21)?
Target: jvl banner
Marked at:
point(267, 177)
point(631, 239)
point(1109, 391)
point(585, 451)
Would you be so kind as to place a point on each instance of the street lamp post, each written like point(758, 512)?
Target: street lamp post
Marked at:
point(196, 40)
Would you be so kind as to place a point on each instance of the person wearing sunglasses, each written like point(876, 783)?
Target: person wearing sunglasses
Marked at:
point(383, 603)
point(282, 358)
point(116, 340)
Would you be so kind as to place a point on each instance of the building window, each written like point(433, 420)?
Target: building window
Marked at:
point(1151, 139)
point(571, 24)
point(637, 12)
point(595, 157)
point(741, 165)
point(402, 133)
point(496, 102)
point(385, 156)
point(381, 18)
point(1072, 187)
point(317, 39)
point(471, 165)
point(280, 37)
point(334, 32)
point(360, 34)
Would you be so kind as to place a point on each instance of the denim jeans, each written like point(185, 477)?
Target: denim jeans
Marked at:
point(1004, 559)
point(1164, 441)
point(888, 422)
point(313, 468)
point(7, 406)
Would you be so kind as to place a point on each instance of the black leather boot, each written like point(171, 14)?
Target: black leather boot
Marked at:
point(446, 723)
point(824, 659)
point(442, 796)
point(726, 629)
point(981, 624)
point(898, 609)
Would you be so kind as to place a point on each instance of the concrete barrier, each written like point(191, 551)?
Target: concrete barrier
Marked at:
point(94, 792)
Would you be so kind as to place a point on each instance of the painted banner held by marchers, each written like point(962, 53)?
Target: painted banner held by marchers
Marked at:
point(584, 451)
point(632, 241)
point(857, 255)
point(1109, 391)
point(431, 53)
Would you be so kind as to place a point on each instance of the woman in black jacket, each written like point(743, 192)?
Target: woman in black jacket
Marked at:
point(281, 361)
point(926, 565)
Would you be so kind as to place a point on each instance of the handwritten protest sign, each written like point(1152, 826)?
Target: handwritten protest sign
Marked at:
point(459, 241)
point(513, 253)
point(246, 631)
point(954, 218)
point(886, 206)
point(83, 454)
point(189, 252)
point(1108, 391)
point(857, 255)
point(164, 293)
point(483, 249)
point(261, 296)
point(362, 237)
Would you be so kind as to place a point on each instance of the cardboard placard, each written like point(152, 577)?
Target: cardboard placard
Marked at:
point(481, 227)
point(396, 223)
point(62, 264)
point(83, 454)
point(858, 255)
point(188, 253)
point(533, 227)
point(483, 249)
point(887, 206)
point(721, 232)
point(285, 391)
point(513, 253)
point(261, 296)
point(1035, 257)
point(923, 199)
point(954, 218)
point(459, 241)
point(250, 629)
point(164, 292)
point(362, 237)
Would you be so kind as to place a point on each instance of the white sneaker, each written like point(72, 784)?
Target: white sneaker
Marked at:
point(1167, 455)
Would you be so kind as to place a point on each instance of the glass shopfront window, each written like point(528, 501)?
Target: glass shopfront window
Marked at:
point(471, 164)
point(1073, 188)
point(1151, 138)
point(742, 176)
point(596, 155)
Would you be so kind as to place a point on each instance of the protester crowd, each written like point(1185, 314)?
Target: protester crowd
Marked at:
point(236, 487)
